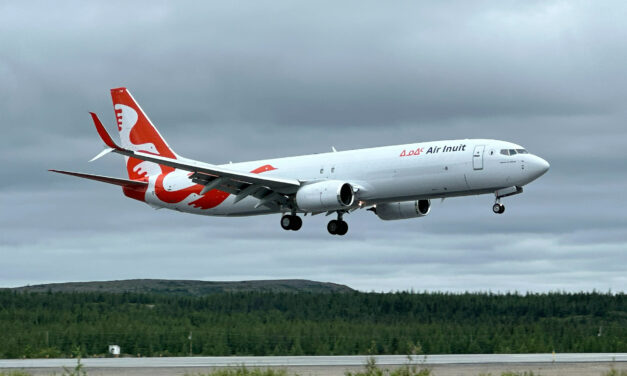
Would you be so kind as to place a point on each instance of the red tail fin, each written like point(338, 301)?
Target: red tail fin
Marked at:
point(139, 134)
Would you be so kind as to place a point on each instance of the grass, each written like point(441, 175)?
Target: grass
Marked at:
point(408, 369)
point(510, 373)
point(244, 371)
point(614, 372)
point(370, 369)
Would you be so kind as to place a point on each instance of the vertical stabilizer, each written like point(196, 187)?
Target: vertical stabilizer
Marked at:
point(137, 133)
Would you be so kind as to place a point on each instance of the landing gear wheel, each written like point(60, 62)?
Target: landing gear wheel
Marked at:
point(332, 227)
point(343, 228)
point(286, 222)
point(291, 222)
point(297, 223)
point(337, 227)
point(498, 208)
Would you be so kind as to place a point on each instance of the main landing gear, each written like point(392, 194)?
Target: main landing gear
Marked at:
point(337, 226)
point(498, 208)
point(291, 222)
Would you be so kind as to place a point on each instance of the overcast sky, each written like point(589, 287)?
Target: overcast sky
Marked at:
point(252, 80)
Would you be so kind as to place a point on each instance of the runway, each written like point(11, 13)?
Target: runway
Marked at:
point(278, 361)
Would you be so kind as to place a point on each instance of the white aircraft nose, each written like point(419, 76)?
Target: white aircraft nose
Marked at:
point(538, 167)
point(544, 165)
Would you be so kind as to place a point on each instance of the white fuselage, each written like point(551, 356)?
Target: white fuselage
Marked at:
point(397, 173)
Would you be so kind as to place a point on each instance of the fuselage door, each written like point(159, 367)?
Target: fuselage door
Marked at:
point(477, 157)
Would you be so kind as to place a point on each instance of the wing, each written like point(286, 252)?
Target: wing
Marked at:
point(271, 191)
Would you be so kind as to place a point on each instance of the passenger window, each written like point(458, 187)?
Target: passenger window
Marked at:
point(504, 151)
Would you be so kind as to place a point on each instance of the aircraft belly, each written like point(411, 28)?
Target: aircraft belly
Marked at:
point(242, 208)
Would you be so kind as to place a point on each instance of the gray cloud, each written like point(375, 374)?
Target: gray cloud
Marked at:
point(232, 82)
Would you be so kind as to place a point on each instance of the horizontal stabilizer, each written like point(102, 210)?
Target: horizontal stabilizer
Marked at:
point(101, 154)
point(106, 179)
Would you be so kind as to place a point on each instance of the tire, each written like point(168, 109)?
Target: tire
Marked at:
point(286, 222)
point(502, 209)
point(332, 227)
point(297, 223)
point(342, 228)
point(496, 208)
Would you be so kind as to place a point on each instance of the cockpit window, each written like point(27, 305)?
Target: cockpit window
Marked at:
point(513, 151)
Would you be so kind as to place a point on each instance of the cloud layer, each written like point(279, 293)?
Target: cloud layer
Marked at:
point(268, 79)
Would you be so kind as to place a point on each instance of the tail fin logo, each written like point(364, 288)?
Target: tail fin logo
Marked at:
point(137, 133)
point(127, 119)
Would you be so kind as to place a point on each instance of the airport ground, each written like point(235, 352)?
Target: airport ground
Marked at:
point(440, 365)
point(538, 369)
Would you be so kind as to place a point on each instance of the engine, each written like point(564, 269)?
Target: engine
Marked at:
point(403, 210)
point(325, 195)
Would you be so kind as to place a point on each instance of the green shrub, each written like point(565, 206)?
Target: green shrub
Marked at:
point(614, 372)
point(408, 369)
point(243, 371)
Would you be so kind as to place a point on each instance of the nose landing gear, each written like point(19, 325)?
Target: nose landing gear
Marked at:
point(291, 222)
point(499, 208)
point(337, 227)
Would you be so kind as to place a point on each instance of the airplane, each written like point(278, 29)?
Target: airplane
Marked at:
point(395, 182)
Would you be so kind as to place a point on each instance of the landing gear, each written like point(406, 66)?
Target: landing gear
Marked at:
point(337, 226)
point(291, 222)
point(498, 208)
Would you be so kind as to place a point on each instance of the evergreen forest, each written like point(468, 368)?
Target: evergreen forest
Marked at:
point(56, 324)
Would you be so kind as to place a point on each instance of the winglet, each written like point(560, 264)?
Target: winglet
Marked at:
point(104, 135)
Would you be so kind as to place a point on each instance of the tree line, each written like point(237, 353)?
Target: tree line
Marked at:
point(254, 323)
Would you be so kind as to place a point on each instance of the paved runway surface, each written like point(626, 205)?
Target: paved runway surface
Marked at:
point(313, 361)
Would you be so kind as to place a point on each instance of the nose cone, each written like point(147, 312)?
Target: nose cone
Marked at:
point(537, 167)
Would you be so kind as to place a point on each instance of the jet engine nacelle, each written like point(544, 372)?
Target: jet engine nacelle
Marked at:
point(403, 210)
point(325, 195)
